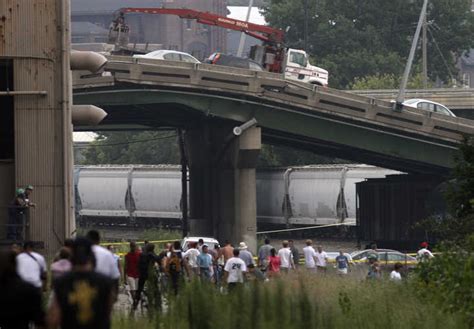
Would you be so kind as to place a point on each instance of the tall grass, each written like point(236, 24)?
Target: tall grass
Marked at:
point(299, 302)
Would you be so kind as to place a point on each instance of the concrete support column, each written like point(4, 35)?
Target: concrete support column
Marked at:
point(200, 191)
point(223, 200)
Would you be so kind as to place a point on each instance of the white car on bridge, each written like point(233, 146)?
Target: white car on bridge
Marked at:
point(427, 105)
point(169, 55)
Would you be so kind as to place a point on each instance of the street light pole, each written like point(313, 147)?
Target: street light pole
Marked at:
point(305, 8)
point(406, 74)
point(240, 50)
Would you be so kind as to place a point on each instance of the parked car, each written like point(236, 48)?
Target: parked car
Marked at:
point(427, 105)
point(210, 242)
point(234, 61)
point(387, 259)
point(362, 254)
point(169, 55)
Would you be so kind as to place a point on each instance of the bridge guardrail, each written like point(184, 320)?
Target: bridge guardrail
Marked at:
point(283, 93)
point(453, 98)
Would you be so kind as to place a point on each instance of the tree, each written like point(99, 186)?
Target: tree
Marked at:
point(148, 147)
point(152, 147)
point(448, 279)
point(385, 81)
point(280, 156)
point(354, 39)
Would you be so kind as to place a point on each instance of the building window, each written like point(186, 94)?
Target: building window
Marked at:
point(7, 144)
point(188, 23)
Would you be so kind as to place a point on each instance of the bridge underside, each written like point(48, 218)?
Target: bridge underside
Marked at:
point(131, 108)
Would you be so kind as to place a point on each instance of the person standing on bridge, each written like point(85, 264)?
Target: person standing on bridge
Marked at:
point(17, 216)
point(82, 298)
point(28, 191)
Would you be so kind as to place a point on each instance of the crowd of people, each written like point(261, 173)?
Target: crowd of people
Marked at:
point(85, 277)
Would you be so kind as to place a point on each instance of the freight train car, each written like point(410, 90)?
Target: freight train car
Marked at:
point(147, 196)
point(311, 195)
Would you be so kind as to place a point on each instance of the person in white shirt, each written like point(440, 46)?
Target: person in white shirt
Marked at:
point(286, 258)
point(424, 254)
point(395, 275)
point(234, 270)
point(309, 256)
point(191, 257)
point(105, 263)
point(321, 259)
point(31, 266)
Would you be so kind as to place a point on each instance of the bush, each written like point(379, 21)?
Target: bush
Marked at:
point(448, 280)
point(305, 302)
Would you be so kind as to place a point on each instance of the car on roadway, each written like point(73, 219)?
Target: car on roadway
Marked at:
point(169, 55)
point(426, 105)
point(233, 61)
point(210, 242)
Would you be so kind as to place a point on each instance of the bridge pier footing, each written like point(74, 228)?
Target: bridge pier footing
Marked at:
point(222, 186)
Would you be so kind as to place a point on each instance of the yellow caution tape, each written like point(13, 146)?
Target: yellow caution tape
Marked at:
point(137, 242)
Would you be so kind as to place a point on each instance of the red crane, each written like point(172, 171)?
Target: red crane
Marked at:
point(261, 32)
point(271, 37)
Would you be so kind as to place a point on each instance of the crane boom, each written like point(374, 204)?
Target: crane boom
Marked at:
point(261, 32)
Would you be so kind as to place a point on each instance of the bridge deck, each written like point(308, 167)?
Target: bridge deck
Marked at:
point(241, 94)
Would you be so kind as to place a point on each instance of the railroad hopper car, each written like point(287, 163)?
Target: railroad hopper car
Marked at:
point(147, 196)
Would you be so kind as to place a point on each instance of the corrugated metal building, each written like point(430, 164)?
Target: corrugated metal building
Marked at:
point(170, 31)
point(389, 208)
point(35, 113)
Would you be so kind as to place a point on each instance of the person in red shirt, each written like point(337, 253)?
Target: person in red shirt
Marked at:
point(131, 272)
point(273, 264)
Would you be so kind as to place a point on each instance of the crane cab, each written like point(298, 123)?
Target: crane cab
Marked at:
point(292, 63)
point(297, 67)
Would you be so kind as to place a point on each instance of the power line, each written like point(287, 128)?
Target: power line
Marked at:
point(440, 52)
point(125, 143)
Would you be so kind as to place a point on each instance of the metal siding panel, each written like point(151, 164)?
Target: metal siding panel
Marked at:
point(30, 35)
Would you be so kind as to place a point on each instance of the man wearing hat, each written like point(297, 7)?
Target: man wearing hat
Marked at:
point(245, 254)
point(16, 213)
point(28, 191)
point(424, 254)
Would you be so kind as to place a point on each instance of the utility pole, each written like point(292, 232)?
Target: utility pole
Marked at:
point(243, 35)
point(403, 85)
point(424, 55)
point(305, 8)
